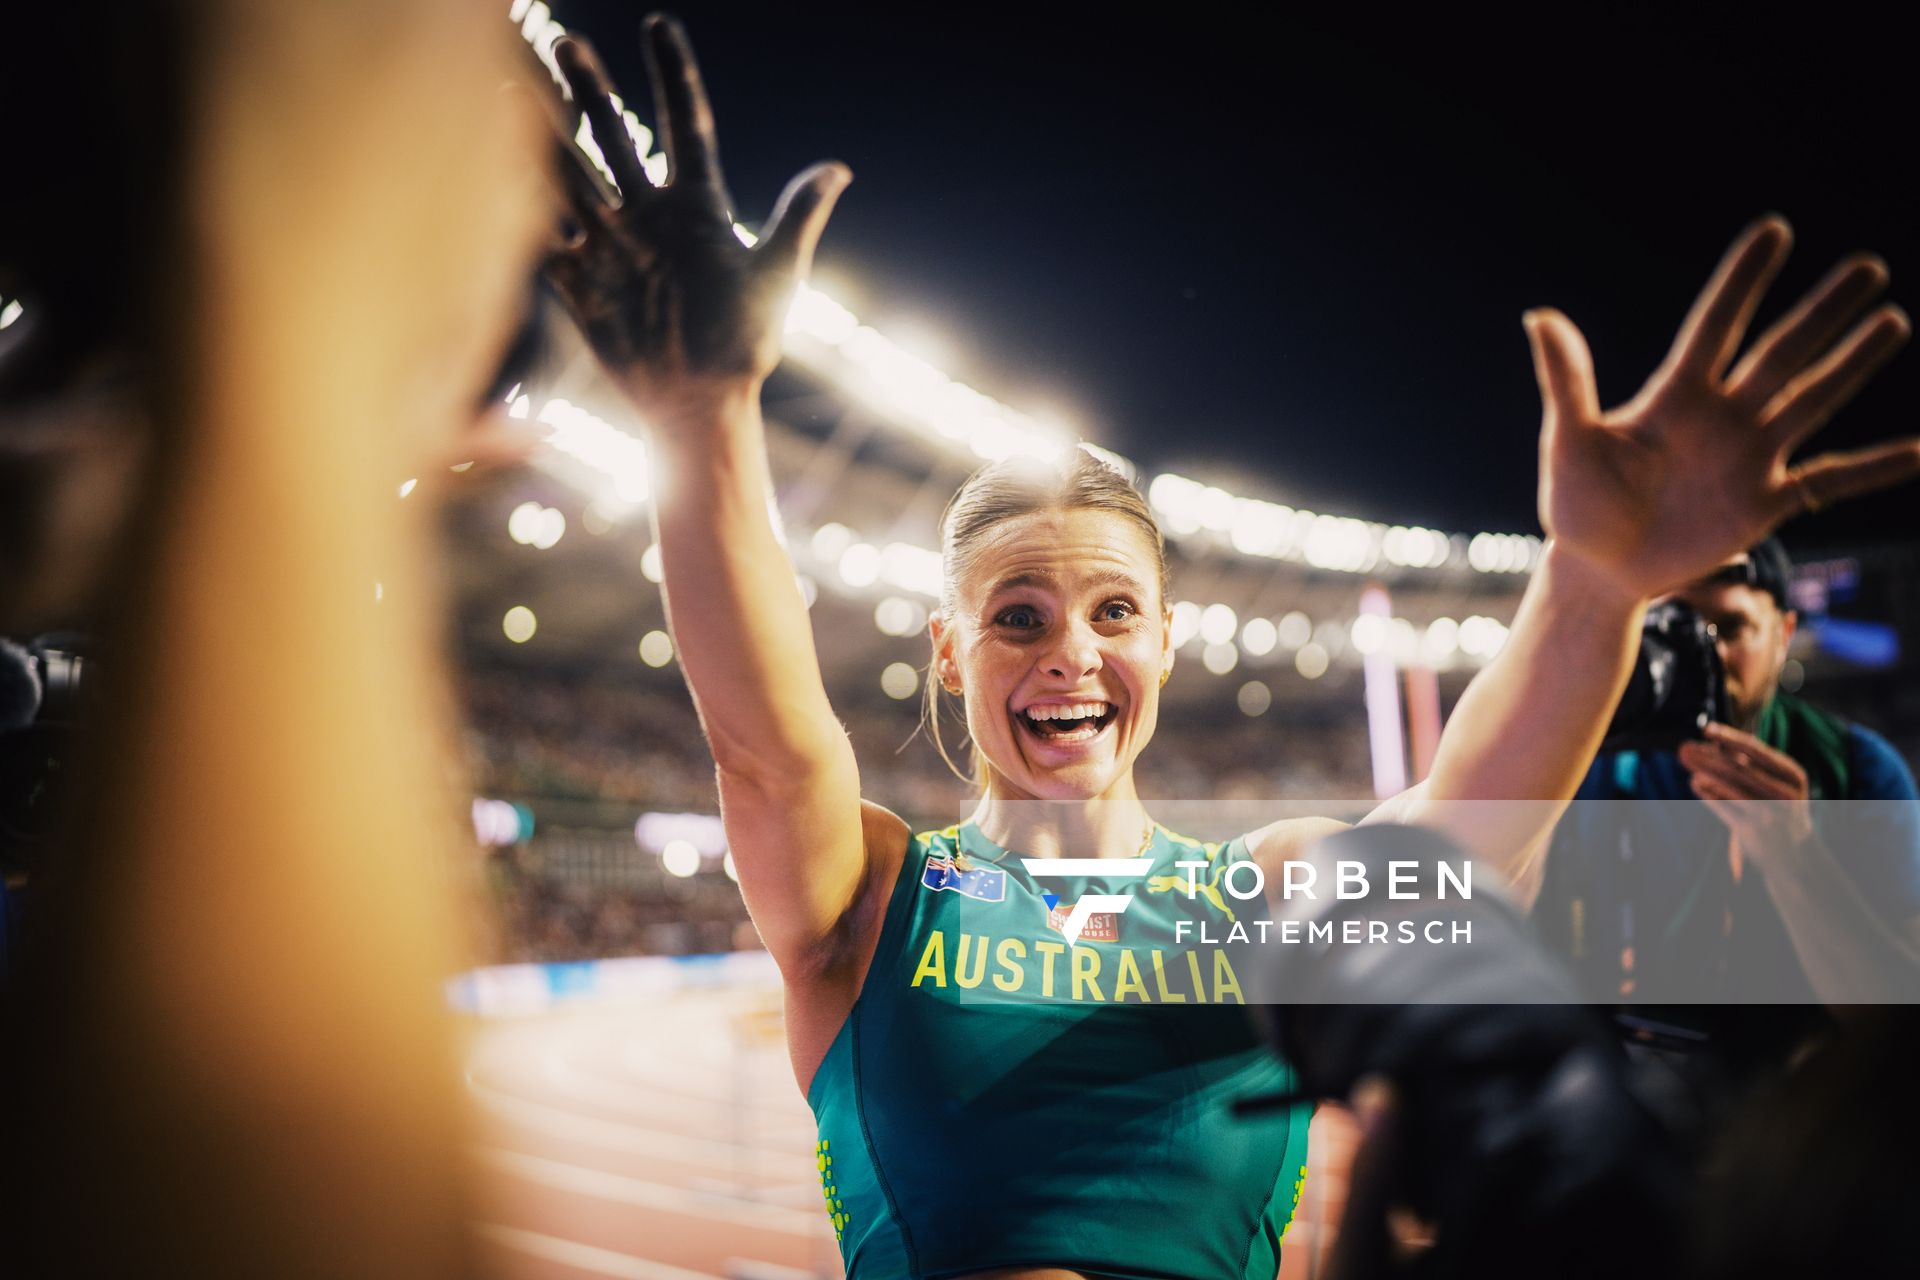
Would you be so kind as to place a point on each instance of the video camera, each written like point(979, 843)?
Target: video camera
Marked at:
point(40, 698)
point(1678, 684)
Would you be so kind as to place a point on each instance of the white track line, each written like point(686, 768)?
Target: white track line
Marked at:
point(602, 1185)
point(586, 1257)
point(623, 1135)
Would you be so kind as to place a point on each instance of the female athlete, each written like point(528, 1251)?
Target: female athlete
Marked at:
point(993, 1102)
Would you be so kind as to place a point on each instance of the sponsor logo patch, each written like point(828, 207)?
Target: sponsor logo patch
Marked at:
point(1100, 926)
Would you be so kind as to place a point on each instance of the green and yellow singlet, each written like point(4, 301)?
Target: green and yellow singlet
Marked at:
point(998, 1098)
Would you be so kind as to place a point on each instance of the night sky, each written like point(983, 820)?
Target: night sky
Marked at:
point(1292, 254)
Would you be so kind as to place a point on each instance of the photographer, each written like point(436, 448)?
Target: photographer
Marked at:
point(1741, 888)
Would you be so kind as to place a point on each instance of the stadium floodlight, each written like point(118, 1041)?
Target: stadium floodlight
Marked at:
point(899, 681)
point(860, 565)
point(912, 568)
point(896, 616)
point(522, 523)
point(1186, 622)
point(680, 859)
point(1294, 629)
point(1218, 622)
point(702, 832)
point(905, 391)
point(656, 648)
point(1369, 633)
point(1311, 661)
point(1259, 636)
point(1254, 698)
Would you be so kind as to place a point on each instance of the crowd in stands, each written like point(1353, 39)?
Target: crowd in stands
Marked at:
point(635, 745)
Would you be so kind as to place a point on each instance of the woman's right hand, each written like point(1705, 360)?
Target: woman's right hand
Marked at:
point(680, 311)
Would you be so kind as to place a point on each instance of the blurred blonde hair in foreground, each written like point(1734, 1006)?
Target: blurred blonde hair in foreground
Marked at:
point(231, 1043)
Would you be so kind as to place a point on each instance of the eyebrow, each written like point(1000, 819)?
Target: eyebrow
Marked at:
point(1051, 581)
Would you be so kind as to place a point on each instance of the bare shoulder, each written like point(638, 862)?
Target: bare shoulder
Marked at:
point(1288, 838)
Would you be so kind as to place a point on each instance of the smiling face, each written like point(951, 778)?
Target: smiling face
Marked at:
point(1058, 642)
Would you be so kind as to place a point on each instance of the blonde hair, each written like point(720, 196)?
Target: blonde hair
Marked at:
point(1006, 490)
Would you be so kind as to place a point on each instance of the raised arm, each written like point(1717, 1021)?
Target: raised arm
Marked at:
point(1642, 498)
point(687, 319)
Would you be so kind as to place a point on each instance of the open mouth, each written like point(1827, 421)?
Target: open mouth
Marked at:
point(1080, 722)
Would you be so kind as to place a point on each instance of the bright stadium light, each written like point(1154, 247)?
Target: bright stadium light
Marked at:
point(1261, 528)
point(1186, 622)
point(704, 831)
point(656, 648)
point(899, 681)
point(1369, 634)
point(860, 565)
point(1218, 623)
point(680, 859)
point(601, 446)
point(911, 568)
point(899, 617)
point(1294, 629)
point(519, 624)
point(912, 393)
point(1220, 658)
point(819, 317)
point(548, 529)
point(1254, 698)
point(524, 522)
point(1311, 661)
point(829, 540)
point(1442, 639)
point(1259, 636)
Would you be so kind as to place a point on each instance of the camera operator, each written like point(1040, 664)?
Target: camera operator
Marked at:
point(1733, 892)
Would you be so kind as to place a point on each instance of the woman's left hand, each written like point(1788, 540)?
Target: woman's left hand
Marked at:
point(1694, 468)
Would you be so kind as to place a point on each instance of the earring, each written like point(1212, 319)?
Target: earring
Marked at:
point(1166, 674)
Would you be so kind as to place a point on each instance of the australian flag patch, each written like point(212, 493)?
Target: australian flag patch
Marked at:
point(945, 873)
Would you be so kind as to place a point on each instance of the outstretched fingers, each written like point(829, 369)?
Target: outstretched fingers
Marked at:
point(593, 92)
point(1835, 477)
point(1563, 366)
point(1804, 332)
point(794, 230)
point(1720, 315)
point(680, 105)
point(1808, 402)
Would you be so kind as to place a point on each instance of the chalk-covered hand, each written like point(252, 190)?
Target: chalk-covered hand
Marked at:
point(678, 308)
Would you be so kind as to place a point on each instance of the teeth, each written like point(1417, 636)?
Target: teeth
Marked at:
point(1072, 711)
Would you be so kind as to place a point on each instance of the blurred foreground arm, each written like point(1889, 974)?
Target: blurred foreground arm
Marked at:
point(243, 1055)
